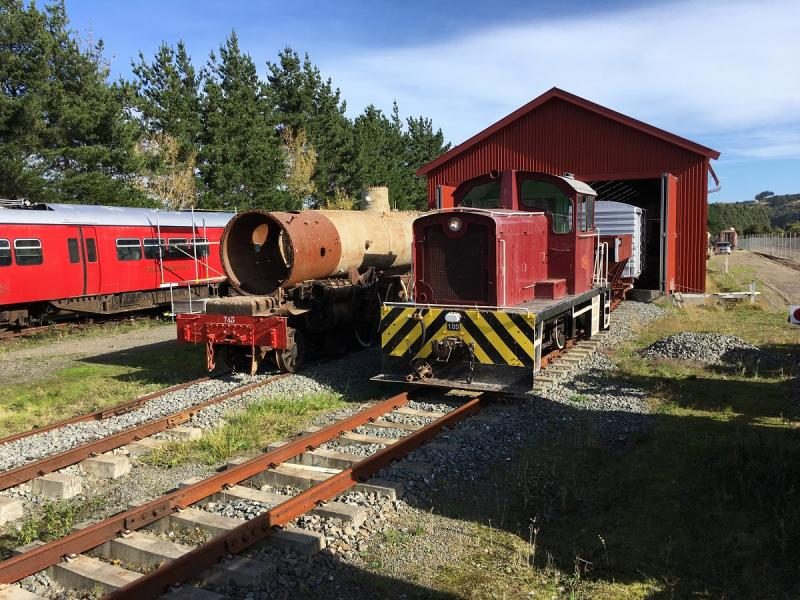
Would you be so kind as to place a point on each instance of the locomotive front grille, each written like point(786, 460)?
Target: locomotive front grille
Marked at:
point(455, 268)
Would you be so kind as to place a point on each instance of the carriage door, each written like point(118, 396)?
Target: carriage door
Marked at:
point(91, 261)
point(669, 232)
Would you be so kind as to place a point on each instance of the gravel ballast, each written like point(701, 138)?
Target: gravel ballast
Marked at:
point(707, 348)
point(462, 454)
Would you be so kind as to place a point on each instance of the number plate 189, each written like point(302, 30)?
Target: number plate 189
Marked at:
point(454, 326)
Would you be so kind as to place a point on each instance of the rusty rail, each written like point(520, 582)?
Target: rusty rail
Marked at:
point(41, 557)
point(257, 529)
point(104, 413)
point(69, 457)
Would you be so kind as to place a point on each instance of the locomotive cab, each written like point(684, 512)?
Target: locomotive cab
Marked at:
point(509, 269)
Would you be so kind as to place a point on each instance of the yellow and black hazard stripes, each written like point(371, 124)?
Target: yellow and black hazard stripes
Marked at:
point(495, 337)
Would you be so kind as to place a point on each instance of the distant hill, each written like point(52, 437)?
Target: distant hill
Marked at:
point(783, 210)
point(773, 212)
point(744, 217)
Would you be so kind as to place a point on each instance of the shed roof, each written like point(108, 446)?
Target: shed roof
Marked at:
point(578, 101)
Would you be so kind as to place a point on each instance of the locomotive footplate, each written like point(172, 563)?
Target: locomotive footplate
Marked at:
point(457, 347)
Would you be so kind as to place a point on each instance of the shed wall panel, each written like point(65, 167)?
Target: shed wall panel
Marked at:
point(559, 136)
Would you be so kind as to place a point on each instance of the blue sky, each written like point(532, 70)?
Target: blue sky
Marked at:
point(720, 72)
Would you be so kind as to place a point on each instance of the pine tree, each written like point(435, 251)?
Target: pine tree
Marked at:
point(302, 100)
point(422, 145)
point(167, 92)
point(64, 133)
point(380, 154)
point(241, 160)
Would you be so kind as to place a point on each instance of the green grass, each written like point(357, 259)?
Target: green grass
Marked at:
point(700, 499)
point(252, 429)
point(88, 386)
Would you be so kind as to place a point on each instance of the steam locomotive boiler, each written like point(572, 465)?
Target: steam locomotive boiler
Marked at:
point(516, 267)
point(303, 280)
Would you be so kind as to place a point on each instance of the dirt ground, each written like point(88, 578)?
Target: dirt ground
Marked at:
point(30, 362)
point(783, 281)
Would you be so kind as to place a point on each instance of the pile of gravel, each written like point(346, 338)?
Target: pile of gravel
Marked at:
point(707, 348)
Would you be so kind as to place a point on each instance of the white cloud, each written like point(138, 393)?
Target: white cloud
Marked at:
point(700, 69)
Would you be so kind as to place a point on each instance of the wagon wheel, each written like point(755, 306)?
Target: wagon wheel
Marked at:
point(368, 321)
point(290, 359)
point(558, 337)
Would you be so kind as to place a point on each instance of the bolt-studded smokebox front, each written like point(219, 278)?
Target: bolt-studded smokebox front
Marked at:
point(460, 347)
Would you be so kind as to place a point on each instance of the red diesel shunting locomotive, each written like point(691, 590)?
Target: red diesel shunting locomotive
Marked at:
point(101, 260)
point(516, 267)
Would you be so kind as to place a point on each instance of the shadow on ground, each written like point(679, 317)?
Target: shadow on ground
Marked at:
point(701, 503)
point(164, 362)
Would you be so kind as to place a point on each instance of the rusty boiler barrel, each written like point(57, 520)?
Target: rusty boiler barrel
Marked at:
point(263, 251)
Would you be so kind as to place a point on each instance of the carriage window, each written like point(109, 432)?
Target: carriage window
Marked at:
point(5, 253)
point(200, 247)
point(485, 195)
point(178, 248)
point(540, 195)
point(91, 250)
point(28, 252)
point(154, 248)
point(129, 249)
point(72, 248)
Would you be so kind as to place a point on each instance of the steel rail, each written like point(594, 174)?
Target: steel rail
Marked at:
point(41, 557)
point(28, 471)
point(257, 529)
point(104, 413)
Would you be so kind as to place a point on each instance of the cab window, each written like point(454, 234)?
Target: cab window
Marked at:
point(28, 252)
point(129, 249)
point(482, 195)
point(585, 212)
point(5, 253)
point(546, 197)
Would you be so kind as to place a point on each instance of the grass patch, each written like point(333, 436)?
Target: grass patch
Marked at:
point(252, 429)
point(701, 499)
point(88, 386)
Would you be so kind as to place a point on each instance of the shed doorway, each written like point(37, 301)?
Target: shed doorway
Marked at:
point(657, 196)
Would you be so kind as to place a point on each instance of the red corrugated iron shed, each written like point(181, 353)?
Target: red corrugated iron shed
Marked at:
point(559, 132)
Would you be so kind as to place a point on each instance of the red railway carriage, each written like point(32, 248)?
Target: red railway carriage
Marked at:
point(57, 258)
point(515, 267)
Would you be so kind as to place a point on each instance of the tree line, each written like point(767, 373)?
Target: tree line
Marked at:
point(215, 136)
point(769, 213)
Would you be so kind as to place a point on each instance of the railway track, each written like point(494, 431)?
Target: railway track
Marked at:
point(69, 325)
point(91, 557)
point(321, 474)
point(48, 464)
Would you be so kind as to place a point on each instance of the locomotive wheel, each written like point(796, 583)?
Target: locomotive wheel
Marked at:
point(558, 337)
point(368, 322)
point(290, 360)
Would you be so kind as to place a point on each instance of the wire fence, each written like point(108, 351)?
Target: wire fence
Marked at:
point(783, 246)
